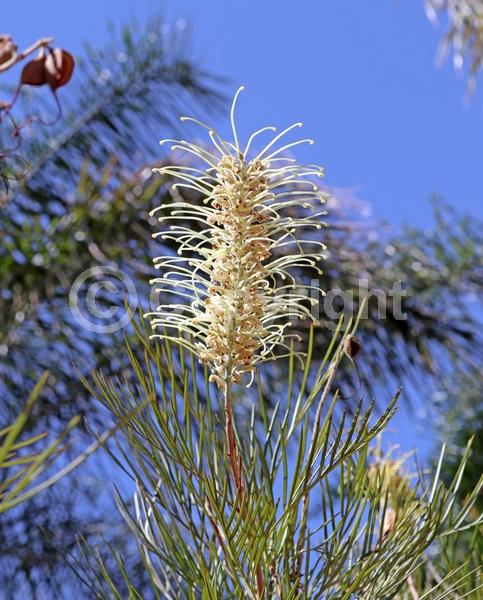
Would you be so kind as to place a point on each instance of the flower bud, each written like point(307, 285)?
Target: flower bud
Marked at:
point(352, 345)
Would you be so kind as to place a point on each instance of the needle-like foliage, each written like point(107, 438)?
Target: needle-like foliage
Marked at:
point(82, 200)
point(319, 512)
point(72, 213)
point(289, 502)
point(22, 461)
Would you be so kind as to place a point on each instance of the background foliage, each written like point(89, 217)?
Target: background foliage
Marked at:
point(84, 202)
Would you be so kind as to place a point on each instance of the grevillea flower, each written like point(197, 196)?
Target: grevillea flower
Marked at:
point(236, 250)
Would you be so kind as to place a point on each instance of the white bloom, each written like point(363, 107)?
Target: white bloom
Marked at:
point(241, 296)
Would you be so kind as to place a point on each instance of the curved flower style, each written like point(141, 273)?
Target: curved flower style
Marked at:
point(242, 297)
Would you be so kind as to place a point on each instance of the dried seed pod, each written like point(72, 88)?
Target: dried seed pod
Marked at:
point(59, 66)
point(8, 49)
point(352, 345)
point(34, 71)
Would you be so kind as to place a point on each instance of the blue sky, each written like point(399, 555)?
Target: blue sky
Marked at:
point(360, 75)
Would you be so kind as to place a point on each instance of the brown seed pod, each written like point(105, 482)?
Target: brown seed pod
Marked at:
point(59, 66)
point(352, 345)
point(8, 49)
point(54, 68)
point(34, 71)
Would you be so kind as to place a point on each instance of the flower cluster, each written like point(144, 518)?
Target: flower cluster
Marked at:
point(242, 295)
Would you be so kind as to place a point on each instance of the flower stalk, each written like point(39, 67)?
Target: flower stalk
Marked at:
point(237, 250)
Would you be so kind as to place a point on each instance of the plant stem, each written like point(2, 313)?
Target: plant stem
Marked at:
point(236, 463)
point(232, 448)
point(412, 588)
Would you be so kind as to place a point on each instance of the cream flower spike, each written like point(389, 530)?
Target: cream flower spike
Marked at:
point(242, 296)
